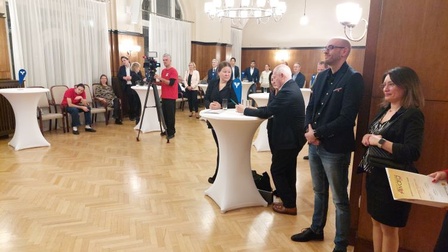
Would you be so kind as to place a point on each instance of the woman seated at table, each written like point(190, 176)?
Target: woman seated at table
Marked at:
point(217, 90)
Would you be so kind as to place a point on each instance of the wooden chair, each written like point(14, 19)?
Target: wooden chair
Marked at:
point(109, 109)
point(45, 113)
point(181, 100)
point(95, 107)
point(57, 94)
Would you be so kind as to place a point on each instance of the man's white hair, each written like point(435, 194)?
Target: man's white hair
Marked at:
point(283, 69)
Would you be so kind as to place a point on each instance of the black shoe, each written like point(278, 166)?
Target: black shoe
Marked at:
point(118, 121)
point(211, 180)
point(171, 136)
point(75, 132)
point(163, 133)
point(339, 250)
point(90, 130)
point(305, 158)
point(307, 235)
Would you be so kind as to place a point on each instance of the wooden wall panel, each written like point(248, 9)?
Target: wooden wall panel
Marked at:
point(203, 53)
point(5, 68)
point(398, 38)
point(307, 58)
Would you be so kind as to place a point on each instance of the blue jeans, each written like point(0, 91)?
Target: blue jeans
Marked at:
point(74, 113)
point(330, 170)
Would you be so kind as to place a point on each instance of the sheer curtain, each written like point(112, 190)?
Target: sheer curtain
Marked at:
point(236, 37)
point(60, 41)
point(173, 37)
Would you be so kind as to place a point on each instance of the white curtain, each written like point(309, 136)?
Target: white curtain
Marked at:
point(237, 43)
point(59, 41)
point(173, 37)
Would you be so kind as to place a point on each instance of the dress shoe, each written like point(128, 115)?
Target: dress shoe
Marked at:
point(75, 132)
point(307, 235)
point(339, 250)
point(305, 158)
point(163, 133)
point(90, 130)
point(118, 121)
point(279, 208)
point(191, 115)
point(170, 136)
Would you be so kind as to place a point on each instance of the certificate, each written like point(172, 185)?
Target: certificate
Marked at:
point(417, 188)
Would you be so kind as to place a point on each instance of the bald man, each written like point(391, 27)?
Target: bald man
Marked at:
point(330, 121)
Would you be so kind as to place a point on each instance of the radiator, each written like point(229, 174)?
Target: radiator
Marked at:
point(7, 120)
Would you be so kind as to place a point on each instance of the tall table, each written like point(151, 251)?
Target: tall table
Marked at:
point(245, 89)
point(234, 186)
point(24, 103)
point(151, 121)
point(261, 143)
point(306, 93)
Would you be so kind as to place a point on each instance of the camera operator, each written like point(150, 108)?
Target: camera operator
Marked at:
point(169, 82)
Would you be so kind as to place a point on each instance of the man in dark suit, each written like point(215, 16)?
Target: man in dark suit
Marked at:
point(321, 65)
point(235, 69)
point(330, 119)
point(212, 73)
point(253, 75)
point(297, 76)
point(286, 113)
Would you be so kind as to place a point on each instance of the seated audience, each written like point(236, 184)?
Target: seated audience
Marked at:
point(105, 94)
point(75, 102)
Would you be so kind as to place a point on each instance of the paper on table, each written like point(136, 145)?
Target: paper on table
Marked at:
point(213, 111)
point(417, 188)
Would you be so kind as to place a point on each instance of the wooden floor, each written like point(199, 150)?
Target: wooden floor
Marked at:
point(105, 191)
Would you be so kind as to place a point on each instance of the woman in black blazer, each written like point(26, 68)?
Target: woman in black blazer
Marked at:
point(217, 90)
point(398, 130)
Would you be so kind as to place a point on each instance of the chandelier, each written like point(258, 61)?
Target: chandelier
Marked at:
point(261, 10)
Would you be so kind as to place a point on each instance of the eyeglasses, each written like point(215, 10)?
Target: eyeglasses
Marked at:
point(331, 47)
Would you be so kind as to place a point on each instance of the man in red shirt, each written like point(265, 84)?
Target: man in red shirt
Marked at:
point(169, 82)
point(74, 102)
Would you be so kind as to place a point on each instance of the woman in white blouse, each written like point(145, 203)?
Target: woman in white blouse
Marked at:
point(191, 80)
point(264, 78)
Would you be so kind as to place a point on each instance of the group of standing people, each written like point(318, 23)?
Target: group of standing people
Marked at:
point(328, 128)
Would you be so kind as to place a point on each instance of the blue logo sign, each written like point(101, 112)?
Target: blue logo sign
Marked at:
point(22, 74)
point(238, 88)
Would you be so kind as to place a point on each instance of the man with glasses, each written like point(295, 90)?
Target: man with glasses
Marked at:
point(330, 119)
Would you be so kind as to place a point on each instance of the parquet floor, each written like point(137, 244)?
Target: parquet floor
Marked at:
point(105, 191)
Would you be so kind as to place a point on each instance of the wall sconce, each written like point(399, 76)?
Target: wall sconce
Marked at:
point(282, 56)
point(349, 15)
point(129, 48)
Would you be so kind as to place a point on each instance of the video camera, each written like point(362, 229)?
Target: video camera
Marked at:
point(150, 64)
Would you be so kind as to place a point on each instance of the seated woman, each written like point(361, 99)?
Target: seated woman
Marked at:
point(105, 94)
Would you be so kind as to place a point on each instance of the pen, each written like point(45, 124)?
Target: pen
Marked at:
point(233, 102)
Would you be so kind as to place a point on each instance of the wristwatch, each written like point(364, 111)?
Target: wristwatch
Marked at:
point(381, 142)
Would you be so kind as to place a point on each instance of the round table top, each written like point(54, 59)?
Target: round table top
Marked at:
point(227, 115)
point(145, 87)
point(260, 96)
point(23, 90)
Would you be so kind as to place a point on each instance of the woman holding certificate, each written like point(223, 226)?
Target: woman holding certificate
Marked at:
point(217, 90)
point(442, 241)
point(397, 132)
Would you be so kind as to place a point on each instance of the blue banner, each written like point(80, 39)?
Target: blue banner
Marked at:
point(238, 88)
point(22, 74)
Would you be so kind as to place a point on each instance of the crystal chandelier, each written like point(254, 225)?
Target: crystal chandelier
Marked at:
point(261, 10)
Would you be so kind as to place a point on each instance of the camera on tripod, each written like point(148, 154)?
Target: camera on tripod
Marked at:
point(150, 64)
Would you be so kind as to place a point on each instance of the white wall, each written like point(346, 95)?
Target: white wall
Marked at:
point(285, 33)
point(2, 7)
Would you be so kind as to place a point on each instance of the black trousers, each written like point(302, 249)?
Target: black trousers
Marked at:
point(442, 242)
point(192, 97)
point(169, 113)
point(283, 170)
point(117, 109)
point(135, 105)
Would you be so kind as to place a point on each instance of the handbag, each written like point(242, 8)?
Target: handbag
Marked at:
point(378, 157)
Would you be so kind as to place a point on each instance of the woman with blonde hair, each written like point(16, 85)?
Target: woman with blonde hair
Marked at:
point(192, 79)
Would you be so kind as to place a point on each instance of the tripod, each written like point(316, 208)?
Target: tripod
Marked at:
point(158, 107)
